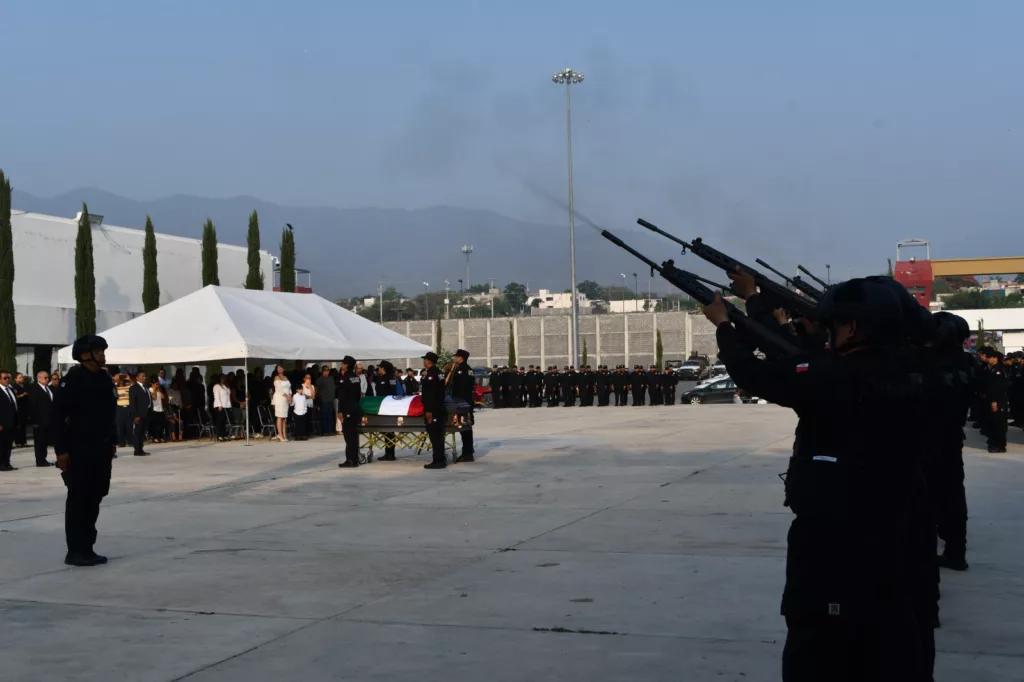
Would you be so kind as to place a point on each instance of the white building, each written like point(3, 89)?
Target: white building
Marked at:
point(44, 276)
point(633, 305)
point(1009, 321)
point(547, 300)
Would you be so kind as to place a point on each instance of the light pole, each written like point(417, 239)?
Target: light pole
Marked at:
point(636, 291)
point(491, 294)
point(568, 78)
point(462, 292)
point(426, 297)
point(828, 270)
point(468, 249)
point(447, 309)
point(623, 292)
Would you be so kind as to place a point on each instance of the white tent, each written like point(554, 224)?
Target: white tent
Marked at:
point(224, 325)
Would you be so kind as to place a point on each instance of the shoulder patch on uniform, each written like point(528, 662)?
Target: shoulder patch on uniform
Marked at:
point(802, 367)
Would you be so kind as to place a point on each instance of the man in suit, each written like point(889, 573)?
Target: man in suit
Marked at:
point(8, 420)
point(139, 405)
point(40, 404)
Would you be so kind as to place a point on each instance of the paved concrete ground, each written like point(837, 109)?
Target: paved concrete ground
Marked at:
point(602, 544)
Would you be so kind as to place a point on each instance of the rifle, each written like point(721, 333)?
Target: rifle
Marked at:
point(797, 283)
point(768, 341)
point(811, 275)
point(775, 294)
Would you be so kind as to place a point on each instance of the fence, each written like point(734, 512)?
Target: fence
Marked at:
point(609, 339)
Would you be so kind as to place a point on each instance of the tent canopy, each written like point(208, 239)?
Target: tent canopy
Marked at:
point(223, 324)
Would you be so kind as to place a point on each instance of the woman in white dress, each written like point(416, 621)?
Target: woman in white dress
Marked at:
point(282, 400)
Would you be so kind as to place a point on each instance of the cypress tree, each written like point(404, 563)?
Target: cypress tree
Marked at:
point(210, 275)
point(659, 350)
point(287, 260)
point(8, 333)
point(150, 283)
point(511, 344)
point(254, 279)
point(889, 272)
point(437, 350)
point(85, 278)
point(586, 360)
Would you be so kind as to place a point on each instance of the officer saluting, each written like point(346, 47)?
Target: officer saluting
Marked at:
point(434, 414)
point(85, 439)
point(463, 380)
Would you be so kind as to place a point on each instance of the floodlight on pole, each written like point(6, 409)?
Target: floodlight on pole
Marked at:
point(426, 297)
point(468, 249)
point(568, 78)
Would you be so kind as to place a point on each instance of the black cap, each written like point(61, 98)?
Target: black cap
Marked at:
point(85, 344)
point(464, 354)
point(430, 355)
point(350, 361)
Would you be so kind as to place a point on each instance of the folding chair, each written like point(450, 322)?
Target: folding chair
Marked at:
point(202, 426)
point(233, 428)
point(267, 425)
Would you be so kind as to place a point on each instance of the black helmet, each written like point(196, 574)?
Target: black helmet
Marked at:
point(874, 305)
point(950, 330)
point(86, 344)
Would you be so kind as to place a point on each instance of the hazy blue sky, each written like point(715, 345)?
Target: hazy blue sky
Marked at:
point(849, 125)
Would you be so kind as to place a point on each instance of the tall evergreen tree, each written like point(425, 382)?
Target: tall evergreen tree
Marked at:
point(889, 272)
point(288, 260)
point(8, 333)
point(511, 344)
point(585, 360)
point(254, 279)
point(85, 278)
point(150, 283)
point(438, 349)
point(210, 275)
point(659, 350)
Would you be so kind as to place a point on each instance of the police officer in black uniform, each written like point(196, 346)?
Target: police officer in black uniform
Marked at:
point(958, 385)
point(850, 485)
point(669, 381)
point(463, 381)
point(995, 389)
point(620, 382)
point(551, 385)
point(494, 381)
point(602, 384)
point(384, 384)
point(638, 385)
point(351, 413)
point(654, 385)
point(435, 416)
point(570, 386)
point(84, 422)
point(583, 383)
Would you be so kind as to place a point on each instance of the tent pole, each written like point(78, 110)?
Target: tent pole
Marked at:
point(247, 399)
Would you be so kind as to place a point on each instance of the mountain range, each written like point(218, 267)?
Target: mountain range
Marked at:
point(350, 250)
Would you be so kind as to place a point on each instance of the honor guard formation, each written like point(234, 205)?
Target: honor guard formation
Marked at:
point(530, 387)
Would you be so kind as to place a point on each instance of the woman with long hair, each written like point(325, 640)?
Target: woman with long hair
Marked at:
point(282, 400)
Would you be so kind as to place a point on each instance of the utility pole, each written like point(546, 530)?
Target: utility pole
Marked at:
point(468, 249)
point(426, 297)
point(447, 308)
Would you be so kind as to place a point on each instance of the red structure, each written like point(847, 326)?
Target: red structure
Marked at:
point(915, 275)
point(300, 274)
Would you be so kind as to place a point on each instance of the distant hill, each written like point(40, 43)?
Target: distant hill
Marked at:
point(350, 250)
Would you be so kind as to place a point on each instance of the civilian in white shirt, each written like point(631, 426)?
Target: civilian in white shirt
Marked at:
point(157, 418)
point(221, 404)
point(300, 405)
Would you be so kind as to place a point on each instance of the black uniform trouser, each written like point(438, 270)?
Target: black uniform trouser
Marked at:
point(40, 440)
point(350, 429)
point(656, 397)
point(602, 398)
point(124, 425)
point(638, 396)
point(884, 649)
point(88, 482)
point(467, 433)
point(435, 431)
point(138, 434)
point(535, 399)
point(19, 431)
point(952, 501)
point(569, 397)
point(6, 444)
point(996, 427)
point(670, 396)
point(553, 399)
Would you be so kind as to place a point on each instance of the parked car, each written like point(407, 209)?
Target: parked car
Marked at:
point(719, 390)
point(716, 370)
point(689, 370)
point(481, 388)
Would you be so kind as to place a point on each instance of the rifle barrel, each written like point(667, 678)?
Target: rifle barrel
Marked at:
point(654, 228)
point(812, 276)
point(785, 279)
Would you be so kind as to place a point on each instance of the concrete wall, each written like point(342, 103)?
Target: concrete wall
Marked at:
point(543, 340)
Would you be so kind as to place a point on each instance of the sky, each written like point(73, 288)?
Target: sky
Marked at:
point(838, 126)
